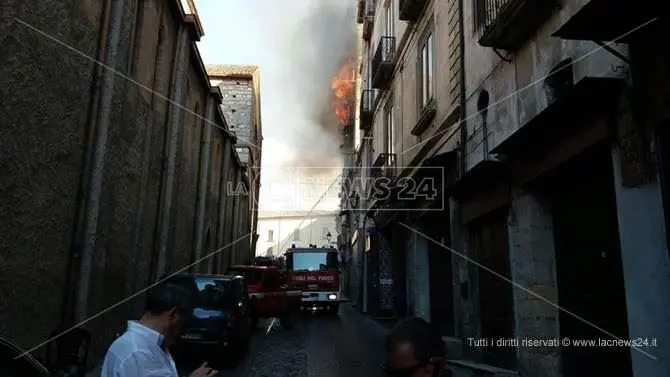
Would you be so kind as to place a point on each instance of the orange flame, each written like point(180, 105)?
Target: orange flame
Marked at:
point(342, 85)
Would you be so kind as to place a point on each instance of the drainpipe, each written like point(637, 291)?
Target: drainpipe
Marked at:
point(204, 178)
point(92, 206)
point(170, 167)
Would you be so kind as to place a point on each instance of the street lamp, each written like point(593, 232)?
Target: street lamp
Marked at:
point(328, 237)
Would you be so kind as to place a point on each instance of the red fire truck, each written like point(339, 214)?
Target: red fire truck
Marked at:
point(316, 272)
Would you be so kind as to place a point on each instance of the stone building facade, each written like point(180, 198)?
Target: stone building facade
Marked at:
point(241, 105)
point(549, 127)
point(409, 105)
point(113, 174)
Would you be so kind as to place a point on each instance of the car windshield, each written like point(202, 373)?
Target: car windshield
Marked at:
point(316, 261)
point(250, 276)
point(210, 292)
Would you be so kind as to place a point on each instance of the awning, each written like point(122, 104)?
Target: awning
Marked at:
point(590, 97)
point(480, 176)
point(609, 20)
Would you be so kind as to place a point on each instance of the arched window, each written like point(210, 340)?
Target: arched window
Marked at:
point(483, 110)
point(483, 102)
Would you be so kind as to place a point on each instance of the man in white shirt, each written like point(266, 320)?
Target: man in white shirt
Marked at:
point(142, 351)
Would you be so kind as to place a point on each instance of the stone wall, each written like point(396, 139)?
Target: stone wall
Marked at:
point(237, 106)
point(50, 96)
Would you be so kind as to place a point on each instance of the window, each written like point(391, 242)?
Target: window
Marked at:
point(388, 10)
point(210, 293)
point(313, 261)
point(271, 235)
point(426, 71)
point(389, 130)
point(296, 235)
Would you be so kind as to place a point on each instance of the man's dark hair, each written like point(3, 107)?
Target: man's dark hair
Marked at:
point(165, 296)
point(423, 336)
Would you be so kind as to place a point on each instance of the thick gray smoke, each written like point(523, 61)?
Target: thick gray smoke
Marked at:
point(319, 43)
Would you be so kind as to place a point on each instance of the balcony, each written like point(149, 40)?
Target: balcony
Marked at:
point(410, 10)
point(382, 63)
point(624, 19)
point(367, 109)
point(509, 24)
point(368, 19)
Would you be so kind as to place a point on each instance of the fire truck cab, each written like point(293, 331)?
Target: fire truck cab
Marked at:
point(268, 295)
point(316, 272)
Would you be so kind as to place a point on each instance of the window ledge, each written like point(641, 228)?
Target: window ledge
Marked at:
point(427, 115)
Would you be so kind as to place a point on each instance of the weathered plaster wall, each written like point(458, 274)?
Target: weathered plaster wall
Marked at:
point(515, 88)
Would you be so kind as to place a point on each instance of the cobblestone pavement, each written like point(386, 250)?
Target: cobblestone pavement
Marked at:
point(319, 346)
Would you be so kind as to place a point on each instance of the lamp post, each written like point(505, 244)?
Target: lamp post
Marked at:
point(328, 237)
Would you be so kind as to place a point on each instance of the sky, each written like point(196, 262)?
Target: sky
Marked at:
point(298, 46)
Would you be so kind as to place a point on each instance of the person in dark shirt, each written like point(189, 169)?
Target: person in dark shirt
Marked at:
point(414, 348)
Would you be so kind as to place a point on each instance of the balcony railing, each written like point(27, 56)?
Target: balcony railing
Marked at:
point(486, 12)
point(508, 24)
point(368, 19)
point(382, 62)
point(410, 10)
point(367, 109)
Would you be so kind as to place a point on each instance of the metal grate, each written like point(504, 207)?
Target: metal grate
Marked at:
point(385, 51)
point(486, 12)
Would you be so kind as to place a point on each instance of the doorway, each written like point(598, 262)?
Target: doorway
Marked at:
point(588, 264)
point(496, 301)
point(440, 271)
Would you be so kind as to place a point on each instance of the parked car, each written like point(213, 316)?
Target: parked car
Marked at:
point(269, 296)
point(219, 328)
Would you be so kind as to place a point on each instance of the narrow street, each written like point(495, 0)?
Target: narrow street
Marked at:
point(320, 346)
